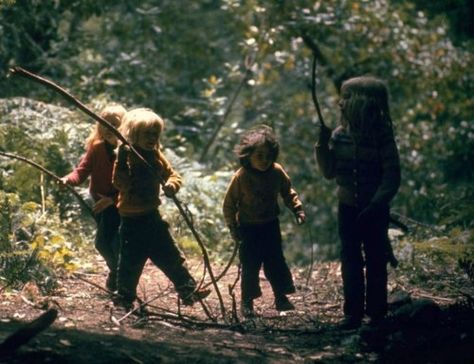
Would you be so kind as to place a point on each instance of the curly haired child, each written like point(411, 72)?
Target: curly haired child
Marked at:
point(143, 232)
point(97, 163)
point(361, 154)
point(251, 213)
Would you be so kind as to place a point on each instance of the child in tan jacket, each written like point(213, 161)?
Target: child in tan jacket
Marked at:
point(251, 212)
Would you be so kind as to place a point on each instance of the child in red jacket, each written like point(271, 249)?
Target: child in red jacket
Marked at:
point(97, 163)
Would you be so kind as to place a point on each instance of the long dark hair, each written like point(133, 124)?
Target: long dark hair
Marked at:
point(253, 138)
point(366, 107)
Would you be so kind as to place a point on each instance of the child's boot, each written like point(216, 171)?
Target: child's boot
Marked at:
point(195, 296)
point(246, 308)
point(111, 282)
point(282, 303)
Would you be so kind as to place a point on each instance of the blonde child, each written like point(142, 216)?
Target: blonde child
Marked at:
point(97, 163)
point(143, 232)
point(251, 213)
point(361, 154)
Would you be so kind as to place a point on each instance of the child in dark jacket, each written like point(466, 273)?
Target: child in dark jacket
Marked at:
point(251, 213)
point(361, 154)
point(97, 163)
point(143, 232)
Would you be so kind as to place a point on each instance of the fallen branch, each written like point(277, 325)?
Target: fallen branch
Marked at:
point(27, 332)
point(310, 269)
point(180, 320)
point(78, 276)
point(434, 298)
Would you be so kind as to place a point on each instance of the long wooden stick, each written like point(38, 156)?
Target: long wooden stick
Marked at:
point(316, 53)
point(228, 265)
point(24, 73)
point(51, 174)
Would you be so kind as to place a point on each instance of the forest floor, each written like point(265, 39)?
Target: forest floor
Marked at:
point(89, 329)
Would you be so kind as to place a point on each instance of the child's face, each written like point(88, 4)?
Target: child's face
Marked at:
point(261, 158)
point(148, 138)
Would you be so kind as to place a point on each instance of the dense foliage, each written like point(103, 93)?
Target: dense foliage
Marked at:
point(215, 67)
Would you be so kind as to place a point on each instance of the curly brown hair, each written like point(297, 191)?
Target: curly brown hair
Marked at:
point(254, 138)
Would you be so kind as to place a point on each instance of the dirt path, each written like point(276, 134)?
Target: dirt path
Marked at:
point(87, 331)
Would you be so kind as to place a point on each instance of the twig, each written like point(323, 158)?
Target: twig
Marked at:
point(228, 265)
point(316, 54)
point(193, 323)
point(43, 197)
point(78, 276)
point(51, 174)
point(248, 64)
point(235, 317)
point(436, 298)
point(310, 270)
point(395, 215)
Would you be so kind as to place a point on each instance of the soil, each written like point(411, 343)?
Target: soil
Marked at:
point(89, 329)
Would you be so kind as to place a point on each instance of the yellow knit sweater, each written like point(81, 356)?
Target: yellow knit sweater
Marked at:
point(139, 187)
point(252, 196)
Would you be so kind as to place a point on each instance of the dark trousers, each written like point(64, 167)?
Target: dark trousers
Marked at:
point(359, 285)
point(261, 245)
point(149, 237)
point(107, 237)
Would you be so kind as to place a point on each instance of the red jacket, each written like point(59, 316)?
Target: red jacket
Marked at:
point(97, 163)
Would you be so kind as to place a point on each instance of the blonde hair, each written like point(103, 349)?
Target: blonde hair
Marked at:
point(113, 114)
point(139, 119)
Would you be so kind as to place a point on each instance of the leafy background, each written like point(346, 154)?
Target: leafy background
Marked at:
point(213, 68)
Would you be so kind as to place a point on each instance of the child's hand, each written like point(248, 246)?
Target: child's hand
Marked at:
point(324, 135)
point(63, 181)
point(169, 190)
point(102, 204)
point(300, 217)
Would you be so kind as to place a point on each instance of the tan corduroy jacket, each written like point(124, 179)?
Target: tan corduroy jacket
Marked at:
point(252, 196)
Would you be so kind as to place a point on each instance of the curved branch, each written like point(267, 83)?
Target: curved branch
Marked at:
point(316, 54)
point(313, 91)
point(228, 265)
point(51, 174)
